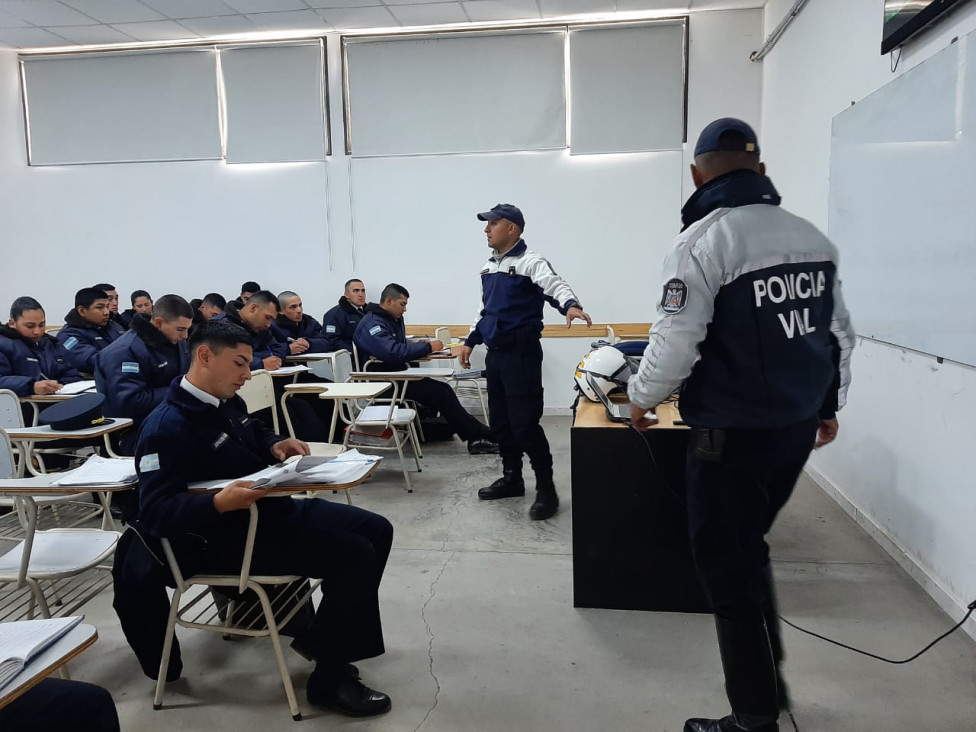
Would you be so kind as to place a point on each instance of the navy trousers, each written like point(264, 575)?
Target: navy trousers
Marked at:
point(515, 400)
point(56, 705)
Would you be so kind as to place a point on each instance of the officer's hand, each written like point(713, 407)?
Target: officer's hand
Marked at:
point(641, 417)
point(826, 433)
point(271, 363)
point(464, 356)
point(575, 313)
point(238, 495)
point(47, 386)
point(287, 448)
point(436, 346)
point(299, 346)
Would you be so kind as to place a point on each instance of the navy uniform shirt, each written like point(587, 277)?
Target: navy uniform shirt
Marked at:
point(309, 329)
point(339, 325)
point(24, 362)
point(380, 336)
point(83, 341)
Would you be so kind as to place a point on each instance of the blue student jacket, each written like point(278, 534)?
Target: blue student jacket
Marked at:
point(379, 336)
point(134, 372)
point(309, 329)
point(185, 440)
point(339, 325)
point(83, 341)
point(24, 362)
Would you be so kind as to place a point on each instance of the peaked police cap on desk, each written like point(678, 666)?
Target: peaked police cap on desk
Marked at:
point(710, 139)
point(504, 211)
point(77, 413)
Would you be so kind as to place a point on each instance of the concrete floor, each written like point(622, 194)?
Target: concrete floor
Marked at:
point(482, 634)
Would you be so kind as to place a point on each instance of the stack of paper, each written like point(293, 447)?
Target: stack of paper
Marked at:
point(22, 640)
point(285, 370)
point(309, 470)
point(98, 470)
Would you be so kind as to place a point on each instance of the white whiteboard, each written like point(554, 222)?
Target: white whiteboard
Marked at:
point(903, 207)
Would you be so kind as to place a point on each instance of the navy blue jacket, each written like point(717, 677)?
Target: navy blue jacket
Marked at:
point(83, 340)
point(265, 343)
point(514, 289)
point(24, 362)
point(135, 371)
point(378, 335)
point(185, 440)
point(309, 329)
point(339, 325)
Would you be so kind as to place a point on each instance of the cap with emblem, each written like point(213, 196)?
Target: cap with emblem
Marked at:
point(504, 211)
point(77, 413)
point(710, 139)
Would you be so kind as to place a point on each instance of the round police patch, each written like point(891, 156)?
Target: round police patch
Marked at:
point(675, 296)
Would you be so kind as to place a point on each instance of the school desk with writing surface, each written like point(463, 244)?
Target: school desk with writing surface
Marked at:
point(630, 535)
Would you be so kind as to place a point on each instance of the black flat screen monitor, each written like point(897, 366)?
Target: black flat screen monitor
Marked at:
point(904, 18)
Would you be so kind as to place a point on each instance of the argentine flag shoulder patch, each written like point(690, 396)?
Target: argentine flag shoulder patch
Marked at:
point(149, 463)
point(130, 367)
point(71, 343)
point(375, 329)
point(330, 329)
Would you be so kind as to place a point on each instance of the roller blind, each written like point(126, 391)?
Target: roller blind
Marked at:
point(627, 88)
point(274, 103)
point(123, 107)
point(456, 94)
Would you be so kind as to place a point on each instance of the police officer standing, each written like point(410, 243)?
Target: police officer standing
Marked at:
point(752, 326)
point(515, 284)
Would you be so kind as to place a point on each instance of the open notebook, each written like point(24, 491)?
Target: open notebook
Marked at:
point(22, 640)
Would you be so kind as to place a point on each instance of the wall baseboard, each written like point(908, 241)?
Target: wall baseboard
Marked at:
point(953, 607)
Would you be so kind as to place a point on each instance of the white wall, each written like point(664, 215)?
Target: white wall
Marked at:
point(902, 462)
point(605, 221)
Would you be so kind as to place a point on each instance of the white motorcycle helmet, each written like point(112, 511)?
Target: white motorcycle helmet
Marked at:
point(602, 370)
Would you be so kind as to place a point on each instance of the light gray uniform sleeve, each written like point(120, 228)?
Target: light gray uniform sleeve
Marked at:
point(843, 331)
point(682, 320)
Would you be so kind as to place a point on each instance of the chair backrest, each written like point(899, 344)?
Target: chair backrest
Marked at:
point(258, 394)
point(7, 466)
point(443, 334)
point(10, 414)
point(341, 366)
point(355, 357)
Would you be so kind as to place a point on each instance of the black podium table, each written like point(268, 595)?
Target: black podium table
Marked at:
point(630, 534)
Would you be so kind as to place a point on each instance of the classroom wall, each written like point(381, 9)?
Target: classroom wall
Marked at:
point(901, 464)
point(605, 221)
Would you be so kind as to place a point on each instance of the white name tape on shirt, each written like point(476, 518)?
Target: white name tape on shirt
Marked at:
point(71, 343)
point(149, 463)
point(375, 329)
point(130, 367)
point(675, 297)
point(330, 329)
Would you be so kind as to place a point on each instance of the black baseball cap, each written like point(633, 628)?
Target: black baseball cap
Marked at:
point(710, 140)
point(504, 211)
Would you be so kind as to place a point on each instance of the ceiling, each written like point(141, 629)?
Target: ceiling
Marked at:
point(27, 24)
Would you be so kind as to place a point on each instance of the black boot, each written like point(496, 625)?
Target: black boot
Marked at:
point(546, 501)
point(750, 680)
point(770, 613)
point(510, 485)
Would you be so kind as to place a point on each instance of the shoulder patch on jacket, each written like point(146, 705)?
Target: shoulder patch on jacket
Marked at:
point(330, 329)
point(375, 329)
point(675, 296)
point(148, 463)
point(130, 367)
point(71, 343)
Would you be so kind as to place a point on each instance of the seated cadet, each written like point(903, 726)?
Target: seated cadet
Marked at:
point(141, 303)
point(135, 371)
point(31, 361)
point(301, 332)
point(382, 335)
point(185, 439)
point(256, 318)
point(339, 324)
point(53, 705)
point(88, 329)
point(115, 319)
point(211, 305)
point(247, 289)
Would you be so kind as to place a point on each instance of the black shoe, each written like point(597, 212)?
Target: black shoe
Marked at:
point(726, 724)
point(482, 446)
point(510, 485)
point(350, 697)
point(545, 505)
